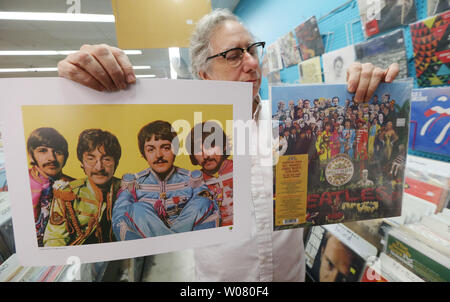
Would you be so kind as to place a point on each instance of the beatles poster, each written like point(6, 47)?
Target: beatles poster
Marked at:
point(104, 176)
point(430, 39)
point(337, 160)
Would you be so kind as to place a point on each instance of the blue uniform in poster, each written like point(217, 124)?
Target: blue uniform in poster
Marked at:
point(149, 207)
point(347, 140)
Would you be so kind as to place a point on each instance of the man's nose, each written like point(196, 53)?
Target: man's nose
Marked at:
point(51, 156)
point(249, 62)
point(98, 165)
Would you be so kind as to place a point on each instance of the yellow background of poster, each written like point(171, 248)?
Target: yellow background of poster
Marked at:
point(291, 189)
point(124, 121)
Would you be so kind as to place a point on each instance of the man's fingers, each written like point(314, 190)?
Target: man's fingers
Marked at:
point(77, 74)
point(104, 56)
point(392, 72)
point(363, 85)
point(353, 74)
point(91, 66)
point(125, 63)
point(377, 77)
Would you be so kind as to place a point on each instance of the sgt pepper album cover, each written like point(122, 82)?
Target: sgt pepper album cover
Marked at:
point(104, 176)
point(337, 160)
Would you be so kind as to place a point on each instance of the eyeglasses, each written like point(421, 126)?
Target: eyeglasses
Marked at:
point(234, 56)
point(106, 161)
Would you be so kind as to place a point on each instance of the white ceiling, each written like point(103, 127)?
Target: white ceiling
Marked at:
point(50, 35)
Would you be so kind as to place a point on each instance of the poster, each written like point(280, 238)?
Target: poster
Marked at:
point(430, 39)
point(310, 71)
point(378, 16)
point(336, 63)
point(353, 154)
point(309, 39)
point(383, 51)
point(104, 176)
point(289, 51)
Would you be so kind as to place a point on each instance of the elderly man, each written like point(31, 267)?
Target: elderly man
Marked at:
point(223, 49)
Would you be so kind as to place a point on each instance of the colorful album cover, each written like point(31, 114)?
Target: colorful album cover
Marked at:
point(336, 254)
point(274, 57)
point(107, 176)
point(289, 51)
point(378, 16)
point(437, 6)
point(309, 39)
point(336, 63)
point(430, 120)
point(337, 160)
point(310, 71)
point(383, 51)
point(430, 39)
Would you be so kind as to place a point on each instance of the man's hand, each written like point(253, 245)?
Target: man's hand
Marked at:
point(363, 79)
point(100, 67)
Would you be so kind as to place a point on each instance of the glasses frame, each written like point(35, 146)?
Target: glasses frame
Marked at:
point(244, 50)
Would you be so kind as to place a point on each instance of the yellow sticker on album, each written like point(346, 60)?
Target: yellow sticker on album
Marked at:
point(291, 189)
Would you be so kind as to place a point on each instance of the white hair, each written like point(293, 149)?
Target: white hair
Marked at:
point(200, 39)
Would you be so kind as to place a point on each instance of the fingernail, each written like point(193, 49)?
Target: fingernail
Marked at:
point(131, 78)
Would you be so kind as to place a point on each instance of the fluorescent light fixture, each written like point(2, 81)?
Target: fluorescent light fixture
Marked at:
point(47, 69)
point(174, 56)
point(141, 67)
point(52, 52)
point(66, 17)
point(40, 69)
point(145, 76)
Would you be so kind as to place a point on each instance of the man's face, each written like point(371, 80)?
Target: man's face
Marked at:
point(50, 161)
point(210, 159)
point(159, 155)
point(335, 261)
point(98, 166)
point(306, 104)
point(338, 67)
point(229, 35)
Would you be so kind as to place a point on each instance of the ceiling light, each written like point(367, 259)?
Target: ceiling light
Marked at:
point(46, 69)
point(56, 17)
point(145, 76)
point(52, 52)
point(29, 69)
point(141, 67)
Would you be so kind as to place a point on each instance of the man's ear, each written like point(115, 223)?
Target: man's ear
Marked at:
point(203, 75)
